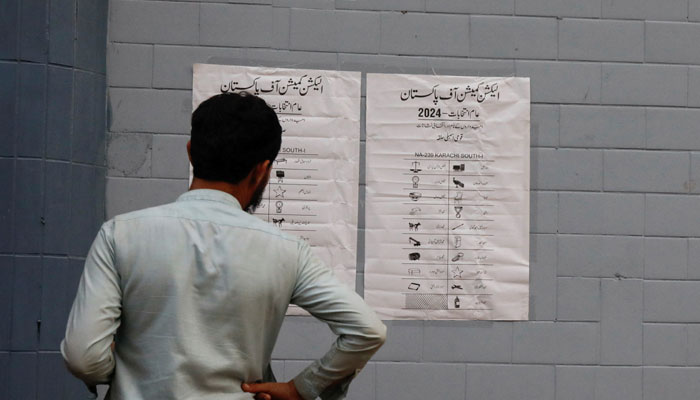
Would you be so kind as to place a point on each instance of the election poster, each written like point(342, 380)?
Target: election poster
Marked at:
point(313, 187)
point(447, 204)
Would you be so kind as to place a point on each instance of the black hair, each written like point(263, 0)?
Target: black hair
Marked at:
point(231, 133)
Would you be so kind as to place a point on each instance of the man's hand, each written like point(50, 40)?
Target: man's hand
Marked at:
point(272, 391)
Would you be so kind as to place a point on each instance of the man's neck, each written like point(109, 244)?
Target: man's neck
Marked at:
point(236, 191)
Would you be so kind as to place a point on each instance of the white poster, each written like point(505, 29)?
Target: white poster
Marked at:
point(447, 212)
point(313, 189)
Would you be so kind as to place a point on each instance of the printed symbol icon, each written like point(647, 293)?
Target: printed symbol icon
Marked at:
point(457, 182)
point(278, 206)
point(458, 226)
point(414, 256)
point(457, 257)
point(415, 181)
point(458, 198)
point(281, 161)
point(414, 286)
point(413, 241)
point(458, 211)
point(415, 169)
point(414, 271)
point(458, 167)
point(415, 210)
point(457, 302)
point(457, 287)
point(415, 196)
point(413, 226)
point(278, 222)
point(279, 192)
point(457, 273)
point(280, 176)
point(458, 242)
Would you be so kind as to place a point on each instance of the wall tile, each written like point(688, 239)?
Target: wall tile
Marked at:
point(7, 204)
point(424, 34)
point(8, 106)
point(34, 38)
point(509, 37)
point(60, 104)
point(28, 205)
point(31, 117)
point(26, 303)
point(411, 379)
point(9, 29)
point(6, 292)
point(599, 40)
point(510, 382)
point(62, 32)
point(621, 322)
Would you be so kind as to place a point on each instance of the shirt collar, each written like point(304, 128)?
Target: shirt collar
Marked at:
point(211, 195)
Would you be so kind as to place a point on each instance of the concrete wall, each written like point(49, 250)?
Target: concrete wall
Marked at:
point(52, 175)
point(615, 241)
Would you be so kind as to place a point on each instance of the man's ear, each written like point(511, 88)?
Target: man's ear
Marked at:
point(189, 150)
point(261, 172)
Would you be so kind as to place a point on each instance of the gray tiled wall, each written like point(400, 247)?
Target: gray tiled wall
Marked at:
point(615, 174)
point(52, 174)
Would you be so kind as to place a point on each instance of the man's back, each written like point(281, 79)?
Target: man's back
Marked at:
point(204, 287)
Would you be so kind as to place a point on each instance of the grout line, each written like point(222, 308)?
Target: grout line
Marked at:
point(644, 43)
point(602, 78)
point(603, 157)
point(558, 22)
point(466, 376)
point(687, 87)
point(153, 66)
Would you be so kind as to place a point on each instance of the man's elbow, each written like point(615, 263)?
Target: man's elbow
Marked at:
point(377, 335)
point(84, 364)
point(382, 334)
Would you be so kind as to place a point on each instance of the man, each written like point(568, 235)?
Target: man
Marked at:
point(185, 300)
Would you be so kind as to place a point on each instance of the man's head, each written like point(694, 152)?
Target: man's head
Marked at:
point(235, 138)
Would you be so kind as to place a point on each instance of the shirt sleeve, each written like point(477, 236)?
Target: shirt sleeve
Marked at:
point(360, 332)
point(95, 315)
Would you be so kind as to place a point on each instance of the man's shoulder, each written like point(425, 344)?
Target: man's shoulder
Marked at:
point(162, 210)
point(232, 219)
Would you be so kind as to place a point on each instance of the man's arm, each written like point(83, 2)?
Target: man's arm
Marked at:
point(94, 318)
point(360, 332)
